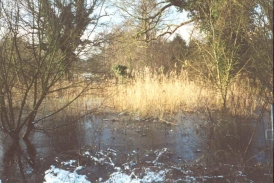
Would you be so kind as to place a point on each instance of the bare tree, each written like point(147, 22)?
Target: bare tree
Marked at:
point(150, 18)
point(41, 41)
point(227, 47)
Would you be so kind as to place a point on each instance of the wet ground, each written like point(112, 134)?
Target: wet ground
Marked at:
point(186, 147)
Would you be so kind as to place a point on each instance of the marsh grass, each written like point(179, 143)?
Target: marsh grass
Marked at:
point(75, 105)
point(152, 93)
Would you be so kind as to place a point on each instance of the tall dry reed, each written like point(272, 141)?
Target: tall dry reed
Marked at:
point(152, 93)
point(73, 102)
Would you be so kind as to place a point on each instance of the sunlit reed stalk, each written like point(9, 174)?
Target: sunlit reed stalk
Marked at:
point(152, 93)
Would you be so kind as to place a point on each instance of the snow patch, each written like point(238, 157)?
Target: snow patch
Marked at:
point(68, 163)
point(149, 176)
point(57, 175)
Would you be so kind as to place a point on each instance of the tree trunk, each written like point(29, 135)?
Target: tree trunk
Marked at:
point(14, 134)
point(29, 128)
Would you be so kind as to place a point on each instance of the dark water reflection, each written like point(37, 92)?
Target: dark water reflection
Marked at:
point(191, 140)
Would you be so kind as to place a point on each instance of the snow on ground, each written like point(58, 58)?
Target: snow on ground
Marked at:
point(101, 157)
point(57, 175)
point(129, 172)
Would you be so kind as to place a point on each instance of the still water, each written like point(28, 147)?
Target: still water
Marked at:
point(190, 146)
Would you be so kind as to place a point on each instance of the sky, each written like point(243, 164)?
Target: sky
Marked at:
point(184, 31)
point(114, 19)
point(173, 17)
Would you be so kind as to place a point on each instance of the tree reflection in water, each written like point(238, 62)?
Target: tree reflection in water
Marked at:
point(19, 163)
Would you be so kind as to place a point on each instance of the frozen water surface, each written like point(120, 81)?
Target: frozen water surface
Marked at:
point(185, 148)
